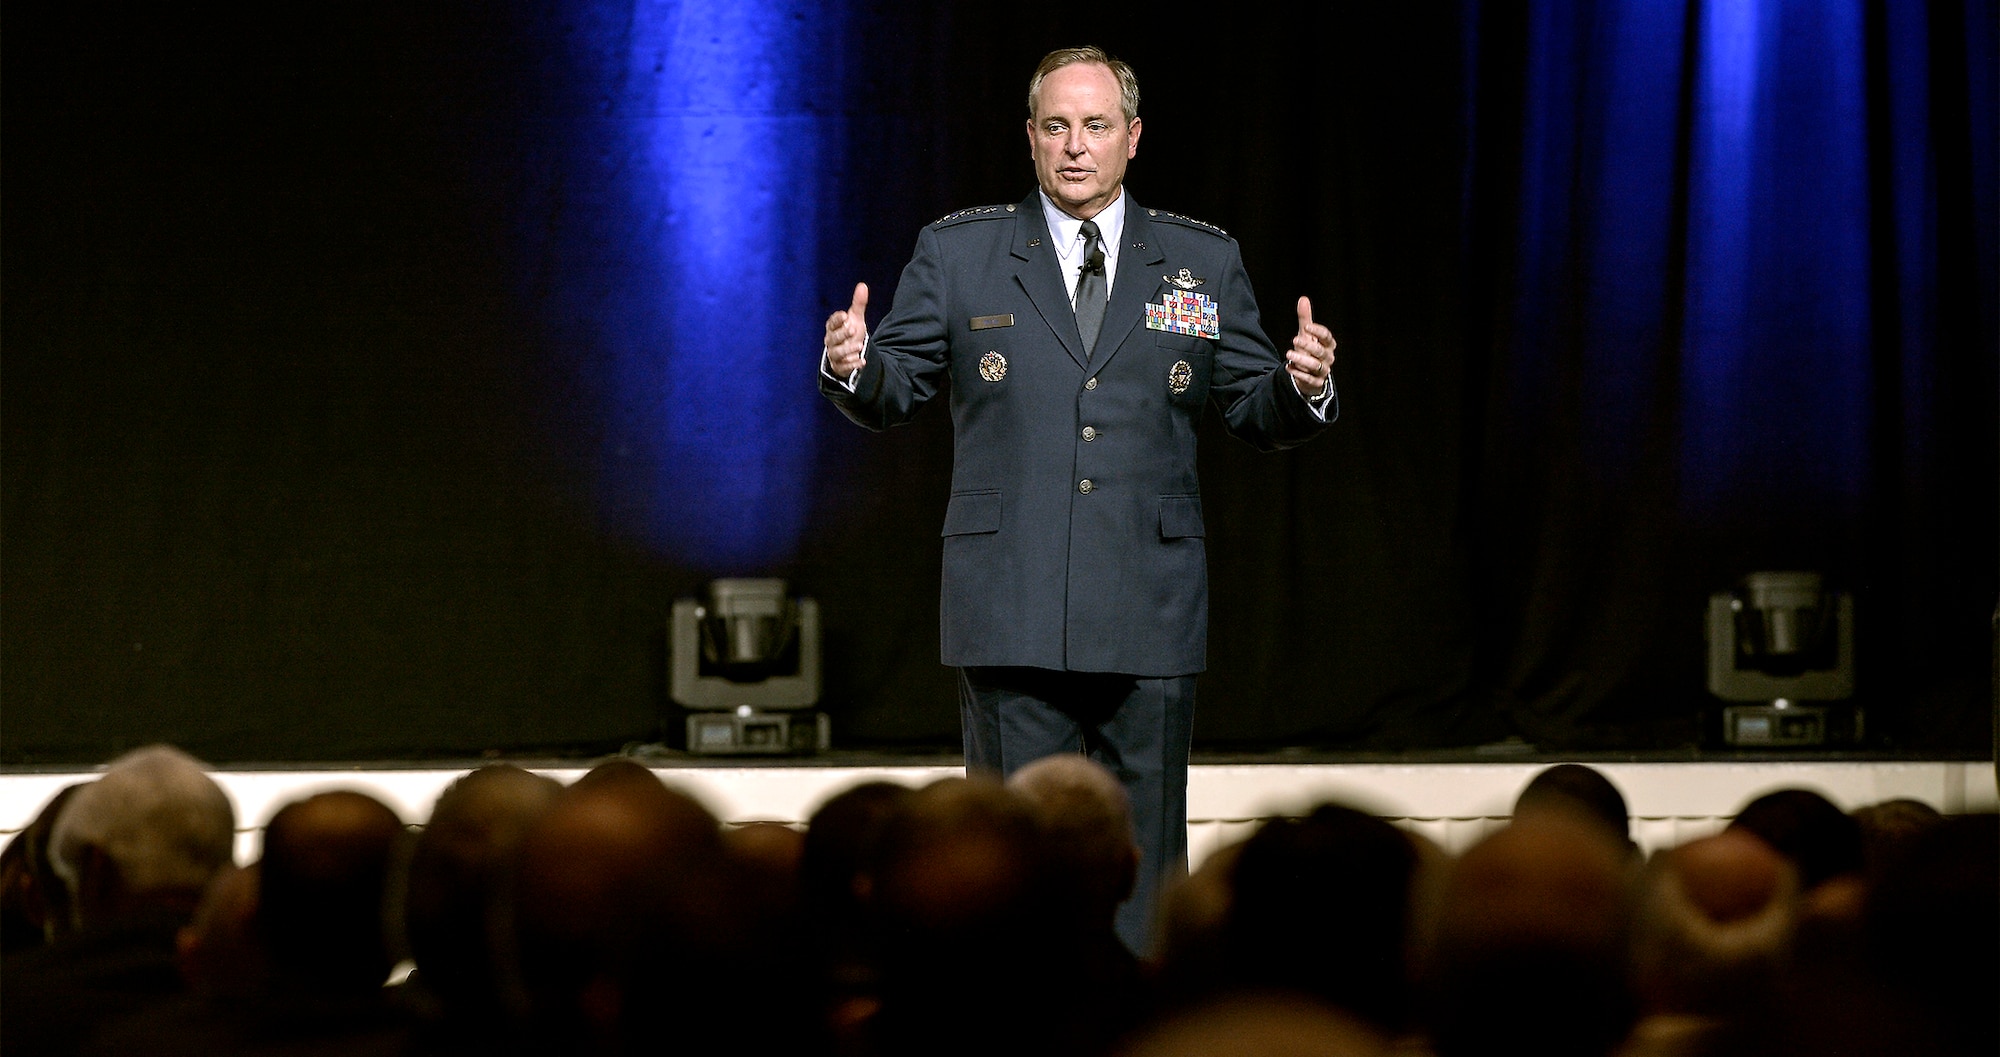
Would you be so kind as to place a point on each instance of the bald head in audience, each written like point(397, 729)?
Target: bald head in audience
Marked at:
point(622, 914)
point(843, 841)
point(322, 883)
point(1529, 944)
point(963, 854)
point(1581, 791)
point(1890, 829)
point(769, 855)
point(1820, 839)
point(1260, 1026)
point(1712, 927)
point(1337, 879)
point(961, 915)
point(461, 859)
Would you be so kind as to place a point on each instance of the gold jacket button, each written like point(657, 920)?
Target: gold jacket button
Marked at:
point(1085, 486)
point(1091, 384)
point(1090, 433)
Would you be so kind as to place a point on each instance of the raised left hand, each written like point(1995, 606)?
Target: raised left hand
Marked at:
point(1310, 359)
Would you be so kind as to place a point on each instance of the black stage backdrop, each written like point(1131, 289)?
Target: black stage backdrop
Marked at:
point(304, 459)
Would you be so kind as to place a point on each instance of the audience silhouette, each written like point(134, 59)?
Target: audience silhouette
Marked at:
point(618, 916)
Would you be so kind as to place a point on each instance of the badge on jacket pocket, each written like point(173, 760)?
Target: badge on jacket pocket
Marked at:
point(993, 366)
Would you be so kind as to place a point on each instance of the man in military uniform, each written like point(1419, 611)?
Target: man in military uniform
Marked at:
point(1082, 334)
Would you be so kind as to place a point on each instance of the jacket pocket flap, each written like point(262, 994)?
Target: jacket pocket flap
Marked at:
point(1180, 516)
point(972, 512)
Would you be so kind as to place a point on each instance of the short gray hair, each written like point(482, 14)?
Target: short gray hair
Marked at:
point(1084, 812)
point(1078, 785)
point(1128, 82)
point(157, 815)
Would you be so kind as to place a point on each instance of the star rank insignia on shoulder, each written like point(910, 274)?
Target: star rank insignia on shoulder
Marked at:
point(1161, 214)
point(974, 213)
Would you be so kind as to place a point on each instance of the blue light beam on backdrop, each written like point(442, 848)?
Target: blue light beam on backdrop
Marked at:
point(1696, 183)
point(732, 145)
point(1775, 366)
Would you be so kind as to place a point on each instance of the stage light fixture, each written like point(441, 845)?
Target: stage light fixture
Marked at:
point(746, 665)
point(1782, 645)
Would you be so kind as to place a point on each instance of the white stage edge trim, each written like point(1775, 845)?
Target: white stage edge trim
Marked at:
point(1453, 804)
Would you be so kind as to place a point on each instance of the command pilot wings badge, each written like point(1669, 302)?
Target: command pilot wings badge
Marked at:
point(1184, 279)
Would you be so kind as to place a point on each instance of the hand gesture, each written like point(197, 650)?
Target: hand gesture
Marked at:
point(847, 336)
point(1310, 359)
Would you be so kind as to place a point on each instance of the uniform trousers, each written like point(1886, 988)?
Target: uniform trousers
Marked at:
point(1139, 728)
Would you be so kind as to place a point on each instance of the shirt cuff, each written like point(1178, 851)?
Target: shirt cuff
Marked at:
point(851, 381)
point(1316, 404)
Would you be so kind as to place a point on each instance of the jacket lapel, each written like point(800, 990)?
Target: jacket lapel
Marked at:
point(1040, 278)
point(1139, 279)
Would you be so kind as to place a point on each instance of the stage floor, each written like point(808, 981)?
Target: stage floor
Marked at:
point(1453, 798)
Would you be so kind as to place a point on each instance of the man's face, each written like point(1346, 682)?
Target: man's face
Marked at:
point(1080, 138)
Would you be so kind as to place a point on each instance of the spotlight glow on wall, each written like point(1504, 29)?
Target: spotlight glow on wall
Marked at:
point(729, 125)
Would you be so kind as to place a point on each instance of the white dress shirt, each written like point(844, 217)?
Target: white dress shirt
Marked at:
point(1068, 235)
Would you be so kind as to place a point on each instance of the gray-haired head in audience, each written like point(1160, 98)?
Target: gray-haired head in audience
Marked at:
point(152, 830)
point(1086, 821)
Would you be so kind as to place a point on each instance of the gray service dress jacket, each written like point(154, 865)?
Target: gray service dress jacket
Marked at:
point(1073, 539)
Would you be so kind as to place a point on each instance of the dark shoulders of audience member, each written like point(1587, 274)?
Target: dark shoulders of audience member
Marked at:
point(1925, 976)
point(55, 997)
point(316, 917)
point(34, 904)
point(1930, 923)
